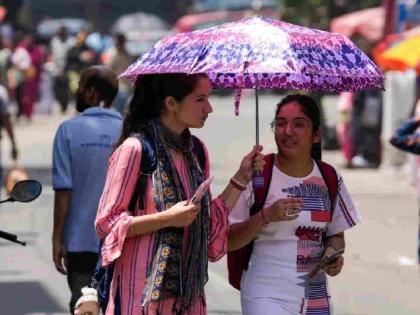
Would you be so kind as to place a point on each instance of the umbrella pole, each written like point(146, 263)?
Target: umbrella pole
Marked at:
point(257, 177)
point(257, 119)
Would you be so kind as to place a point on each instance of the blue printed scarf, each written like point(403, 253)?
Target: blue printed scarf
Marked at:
point(173, 272)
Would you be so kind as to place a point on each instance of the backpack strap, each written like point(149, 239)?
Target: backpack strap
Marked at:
point(330, 177)
point(148, 164)
point(260, 195)
point(238, 259)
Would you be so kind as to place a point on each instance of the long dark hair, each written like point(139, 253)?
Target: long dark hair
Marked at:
point(150, 91)
point(311, 109)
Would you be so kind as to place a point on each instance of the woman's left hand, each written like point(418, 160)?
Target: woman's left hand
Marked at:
point(253, 161)
point(335, 267)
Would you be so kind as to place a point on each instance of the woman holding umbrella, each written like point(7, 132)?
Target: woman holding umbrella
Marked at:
point(161, 250)
point(298, 225)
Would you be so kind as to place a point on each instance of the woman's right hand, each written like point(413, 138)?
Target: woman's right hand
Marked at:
point(181, 214)
point(286, 209)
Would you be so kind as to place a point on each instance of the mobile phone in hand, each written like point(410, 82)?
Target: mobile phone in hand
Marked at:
point(326, 261)
point(199, 193)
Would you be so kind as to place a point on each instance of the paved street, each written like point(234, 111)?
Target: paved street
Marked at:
point(380, 274)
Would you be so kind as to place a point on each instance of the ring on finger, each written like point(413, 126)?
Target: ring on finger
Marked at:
point(288, 213)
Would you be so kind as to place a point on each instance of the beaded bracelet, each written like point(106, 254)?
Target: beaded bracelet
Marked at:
point(237, 185)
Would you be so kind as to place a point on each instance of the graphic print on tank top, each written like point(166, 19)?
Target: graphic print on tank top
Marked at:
point(309, 252)
point(309, 247)
point(314, 194)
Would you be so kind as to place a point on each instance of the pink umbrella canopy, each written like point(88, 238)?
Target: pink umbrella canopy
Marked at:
point(263, 53)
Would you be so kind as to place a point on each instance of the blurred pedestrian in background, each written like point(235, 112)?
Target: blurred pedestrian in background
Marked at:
point(407, 138)
point(6, 124)
point(82, 147)
point(79, 57)
point(6, 51)
point(359, 129)
point(61, 43)
point(343, 127)
point(99, 41)
point(28, 59)
point(119, 59)
point(366, 128)
point(20, 65)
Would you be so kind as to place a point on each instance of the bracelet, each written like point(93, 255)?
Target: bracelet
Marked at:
point(237, 185)
point(264, 220)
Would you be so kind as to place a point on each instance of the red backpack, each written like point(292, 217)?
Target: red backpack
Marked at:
point(238, 259)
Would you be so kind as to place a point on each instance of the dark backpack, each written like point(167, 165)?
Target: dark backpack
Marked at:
point(238, 259)
point(102, 276)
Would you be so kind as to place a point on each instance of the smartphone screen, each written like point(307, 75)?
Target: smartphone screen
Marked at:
point(325, 261)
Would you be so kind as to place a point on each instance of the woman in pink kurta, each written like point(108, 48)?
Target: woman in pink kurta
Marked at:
point(161, 250)
point(30, 90)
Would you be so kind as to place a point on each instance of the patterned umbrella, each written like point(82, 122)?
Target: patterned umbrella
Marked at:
point(263, 53)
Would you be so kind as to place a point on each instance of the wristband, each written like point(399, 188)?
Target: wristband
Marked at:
point(237, 185)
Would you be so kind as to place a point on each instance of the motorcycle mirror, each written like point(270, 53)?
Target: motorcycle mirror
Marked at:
point(26, 190)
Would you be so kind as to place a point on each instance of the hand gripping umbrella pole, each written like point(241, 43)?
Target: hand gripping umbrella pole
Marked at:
point(257, 177)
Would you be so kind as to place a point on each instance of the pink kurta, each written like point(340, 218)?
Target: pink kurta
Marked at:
point(113, 221)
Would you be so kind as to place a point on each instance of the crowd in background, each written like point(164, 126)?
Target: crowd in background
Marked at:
point(39, 72)
point(36, 71)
